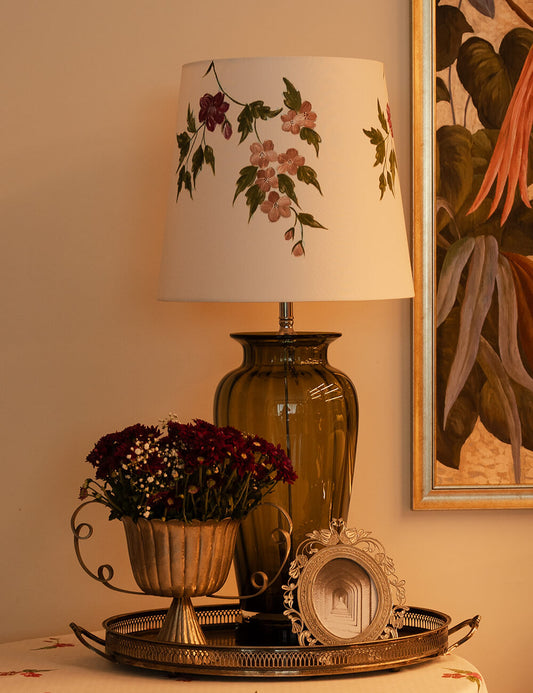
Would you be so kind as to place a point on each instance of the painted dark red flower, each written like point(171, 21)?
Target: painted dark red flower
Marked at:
point(213, 110)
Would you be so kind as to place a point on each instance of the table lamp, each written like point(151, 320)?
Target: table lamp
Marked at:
point(286, 190)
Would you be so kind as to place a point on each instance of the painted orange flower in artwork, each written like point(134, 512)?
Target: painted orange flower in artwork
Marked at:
point(509, 160)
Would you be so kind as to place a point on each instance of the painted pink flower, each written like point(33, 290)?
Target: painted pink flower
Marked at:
point(212, 110)
point(266, 179)
point(290, 161)
point(275, 206)
point(291, 122)
point(509, 160)
point(307, 115)
point(262, 154)
point(294, 122)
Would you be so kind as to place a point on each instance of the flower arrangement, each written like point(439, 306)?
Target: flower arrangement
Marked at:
point(195, 471)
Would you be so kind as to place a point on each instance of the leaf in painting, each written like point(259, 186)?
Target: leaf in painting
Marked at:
point(450, 275)
point(499, 381)
point(476, 303)
point(508, 321)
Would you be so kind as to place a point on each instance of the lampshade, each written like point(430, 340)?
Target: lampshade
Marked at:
point(286, 185)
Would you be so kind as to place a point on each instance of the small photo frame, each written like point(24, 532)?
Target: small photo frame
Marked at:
point(341, 589)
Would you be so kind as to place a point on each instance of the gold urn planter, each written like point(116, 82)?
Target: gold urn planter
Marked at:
point(171, 558)
point(180, 560)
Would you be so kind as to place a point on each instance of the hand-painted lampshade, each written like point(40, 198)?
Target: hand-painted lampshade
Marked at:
point(286, 185)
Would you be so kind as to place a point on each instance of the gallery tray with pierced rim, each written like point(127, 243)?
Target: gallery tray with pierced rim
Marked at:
point(131, 639)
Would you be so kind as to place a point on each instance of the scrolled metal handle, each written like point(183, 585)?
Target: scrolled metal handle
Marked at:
point(260, 579)
point(474, 625)
point(82, 532)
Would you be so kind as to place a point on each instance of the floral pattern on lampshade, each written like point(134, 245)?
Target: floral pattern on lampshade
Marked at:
point(382, 138)
point(268, 181)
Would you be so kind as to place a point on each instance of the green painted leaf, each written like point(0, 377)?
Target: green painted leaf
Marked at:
point(375, 135)
point(246, 122)
point(393, 167)
point(308, 220)
point(254, 197)
point(197, 162)
point(259, 110)
point(484, 76)
point(184, 143)
point(311, 137)
point(451, 24)
point(191, 122)
point(211, 67)
point(380, 153)
point(247, 176)
point(184, 181)
point(382, 119)
point(308, 175)
point(286, 186)
point(382, 185)
point(292, 98)
point(209, 156)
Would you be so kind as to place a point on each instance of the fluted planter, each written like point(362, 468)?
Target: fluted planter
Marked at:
point(180, 560)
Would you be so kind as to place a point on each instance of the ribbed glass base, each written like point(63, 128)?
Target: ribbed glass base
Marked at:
point(286, 391)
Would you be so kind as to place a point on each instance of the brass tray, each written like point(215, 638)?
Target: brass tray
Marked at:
point(131, 639)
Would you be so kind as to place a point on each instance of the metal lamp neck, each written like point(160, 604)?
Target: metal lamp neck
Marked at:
point(286, 318)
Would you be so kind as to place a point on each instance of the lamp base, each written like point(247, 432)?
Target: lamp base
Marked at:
point(287, 392)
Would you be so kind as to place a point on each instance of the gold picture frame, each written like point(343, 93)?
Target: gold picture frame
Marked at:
point(428, 491)
point(342, 583)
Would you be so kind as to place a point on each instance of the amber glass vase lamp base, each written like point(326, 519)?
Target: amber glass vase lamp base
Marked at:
point(287, 392)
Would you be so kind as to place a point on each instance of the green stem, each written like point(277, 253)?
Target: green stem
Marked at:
point(222, 88)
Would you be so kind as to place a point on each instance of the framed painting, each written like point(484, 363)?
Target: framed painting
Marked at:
point(473, 254)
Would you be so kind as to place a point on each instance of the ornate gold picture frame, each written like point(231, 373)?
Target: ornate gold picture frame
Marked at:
point(342, 589)
point(462, 218)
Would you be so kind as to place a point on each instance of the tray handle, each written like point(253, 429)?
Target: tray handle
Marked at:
point(474, 625)
point(82, 634)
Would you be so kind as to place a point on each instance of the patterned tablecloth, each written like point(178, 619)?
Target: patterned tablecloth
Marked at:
point(61, 664)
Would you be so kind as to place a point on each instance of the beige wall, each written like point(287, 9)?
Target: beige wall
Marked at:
point(88, 121)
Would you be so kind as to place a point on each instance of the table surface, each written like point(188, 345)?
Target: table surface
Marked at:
point(61, 664)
